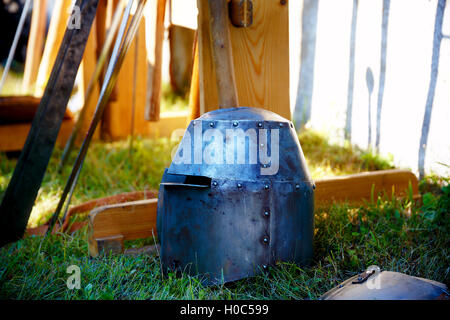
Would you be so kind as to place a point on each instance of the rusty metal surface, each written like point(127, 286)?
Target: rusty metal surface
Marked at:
point(22, 190)
point(227, 222)
point(241, 13)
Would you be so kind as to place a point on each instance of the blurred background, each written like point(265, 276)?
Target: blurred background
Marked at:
point(350, 61)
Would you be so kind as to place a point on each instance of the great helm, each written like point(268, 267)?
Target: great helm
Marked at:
point(226, 213)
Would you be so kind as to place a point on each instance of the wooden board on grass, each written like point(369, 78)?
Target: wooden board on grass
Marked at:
point(357, 188)
point(118, 222)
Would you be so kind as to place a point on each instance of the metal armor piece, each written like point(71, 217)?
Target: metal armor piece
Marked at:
point(387, 285)
point(227, 221)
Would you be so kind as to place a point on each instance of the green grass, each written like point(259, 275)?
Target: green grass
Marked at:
point(396, 235)
point(172, 102)
point(325, 159)
point(13, 83)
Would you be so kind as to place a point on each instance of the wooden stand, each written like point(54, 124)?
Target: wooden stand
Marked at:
point(260, 56)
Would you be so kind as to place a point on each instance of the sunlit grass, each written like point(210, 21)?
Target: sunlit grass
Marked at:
point(172, 102)
point(327, 159)
point(13, 83)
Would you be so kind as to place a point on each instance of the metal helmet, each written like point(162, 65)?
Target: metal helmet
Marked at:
point(374, 284)
point(237, 197)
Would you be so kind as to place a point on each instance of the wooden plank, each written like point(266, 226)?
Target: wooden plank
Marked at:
point(116, 122)
point(358, 187)
point(182, 41)
point(194, 93)
point(101, 20)
point(86, 71)
point(57, 28)
point(132, 220)
point(35, 45)
point(15, 109)
point(261, 59)
point(115, 199)
point(127, 221)
point(156, 33)
point(106, 245)
point(111, 8)
point(13, 136)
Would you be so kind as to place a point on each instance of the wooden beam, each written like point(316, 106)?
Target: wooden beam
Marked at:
point(35, 45)
point(194, 93)
point(260, 56)
point(222, 53)
point(358, 188)
point(111, 8)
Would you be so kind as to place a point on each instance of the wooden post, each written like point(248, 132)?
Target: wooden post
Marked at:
point(260, 56)
point(58, 24)
point(111, 8)
point(156, 30)
point(116, 122)
point(194, 94)
point(87, 69)
point(222, 54)
point(35, 45)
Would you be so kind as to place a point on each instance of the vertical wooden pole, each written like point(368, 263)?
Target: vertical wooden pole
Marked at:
point(110, 10)
point(260, 56)
point(101, 28)
point(153, 108)
point(116, 121)
point(35, 45)
point(222, 54)
point(87, 70)
point(194, 94)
